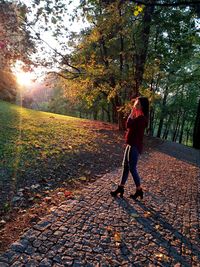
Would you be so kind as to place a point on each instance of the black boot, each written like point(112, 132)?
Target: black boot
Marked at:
point(138, 193)
point(119, 190)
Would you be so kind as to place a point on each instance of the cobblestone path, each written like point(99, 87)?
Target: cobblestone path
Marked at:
point(94, 229)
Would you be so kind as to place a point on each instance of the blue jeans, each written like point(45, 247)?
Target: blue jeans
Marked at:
point(130, 160)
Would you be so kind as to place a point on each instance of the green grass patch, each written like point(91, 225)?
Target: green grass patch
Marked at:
point(36, 145)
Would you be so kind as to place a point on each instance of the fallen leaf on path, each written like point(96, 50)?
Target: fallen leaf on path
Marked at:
point(68, 194)
point(48, 199)
point(83, 178)
point(134, 215)
point(109, 229)
point(147, 214)
point(117, 237)
point(161, 256)
point(157, 226)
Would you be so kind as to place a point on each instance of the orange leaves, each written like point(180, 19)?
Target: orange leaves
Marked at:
point(116, 235)
point(147, 214)
point(68, 194)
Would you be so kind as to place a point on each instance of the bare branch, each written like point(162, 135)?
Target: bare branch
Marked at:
point(66, 70)
point(62, 75)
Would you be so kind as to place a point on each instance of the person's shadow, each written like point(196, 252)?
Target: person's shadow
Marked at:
point(149, 224)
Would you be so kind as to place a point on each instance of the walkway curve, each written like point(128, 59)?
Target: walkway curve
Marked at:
point(94, 229)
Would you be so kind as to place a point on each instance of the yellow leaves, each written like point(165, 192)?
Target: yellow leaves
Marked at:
point(136, 13)
point(113, 92)
point(95, 35)
point(83, 178)
point(161, 256)
point(138, 9)
point(89, 18)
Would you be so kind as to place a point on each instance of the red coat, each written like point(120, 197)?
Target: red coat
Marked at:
point(135, 132)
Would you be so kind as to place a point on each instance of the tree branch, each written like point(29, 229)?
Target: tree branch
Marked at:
point(62, 75)
point(178, 3)
point(65, 60)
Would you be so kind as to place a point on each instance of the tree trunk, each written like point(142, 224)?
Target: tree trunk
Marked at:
point(196, 132)
point(102, 114)
point(121, 121)
point(177, 132)
point(160, 126)
point(95, 114)
point(121, 42)
point(151, 119)
point(143, 47)
point(121, 124)
point(176, 129)
point(166, 134)
point(167, 126)
point(182, 129)
point(188, 131)
point(107, 111)
point(162, 113)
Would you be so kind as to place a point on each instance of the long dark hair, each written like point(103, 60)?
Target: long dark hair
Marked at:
point(145, 105)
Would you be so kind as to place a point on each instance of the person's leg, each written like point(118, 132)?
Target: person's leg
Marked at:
point(125, 172)
point(133, 160)
point(125, 165)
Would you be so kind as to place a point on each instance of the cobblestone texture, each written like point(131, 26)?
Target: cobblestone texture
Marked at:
point(94, 229)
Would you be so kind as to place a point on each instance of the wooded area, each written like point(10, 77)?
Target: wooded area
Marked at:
point(128, 48)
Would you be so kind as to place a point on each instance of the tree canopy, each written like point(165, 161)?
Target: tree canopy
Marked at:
point(125, 49)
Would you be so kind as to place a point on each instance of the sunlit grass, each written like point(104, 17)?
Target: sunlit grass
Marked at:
point(35, 145)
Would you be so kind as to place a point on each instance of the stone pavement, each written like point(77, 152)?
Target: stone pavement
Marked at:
point(94, 229)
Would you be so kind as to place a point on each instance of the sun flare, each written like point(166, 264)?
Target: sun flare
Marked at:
point(23, 78)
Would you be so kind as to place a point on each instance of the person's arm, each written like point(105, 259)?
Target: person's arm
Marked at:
point(130, 121)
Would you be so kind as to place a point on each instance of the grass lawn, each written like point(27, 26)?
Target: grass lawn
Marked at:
point(39, 146)
point(46, 158)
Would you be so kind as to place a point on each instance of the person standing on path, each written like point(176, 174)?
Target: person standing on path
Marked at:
point(136, 124)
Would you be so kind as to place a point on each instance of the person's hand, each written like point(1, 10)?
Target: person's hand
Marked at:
point(132, 114)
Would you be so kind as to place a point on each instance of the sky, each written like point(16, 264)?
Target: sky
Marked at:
point(47, 35)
